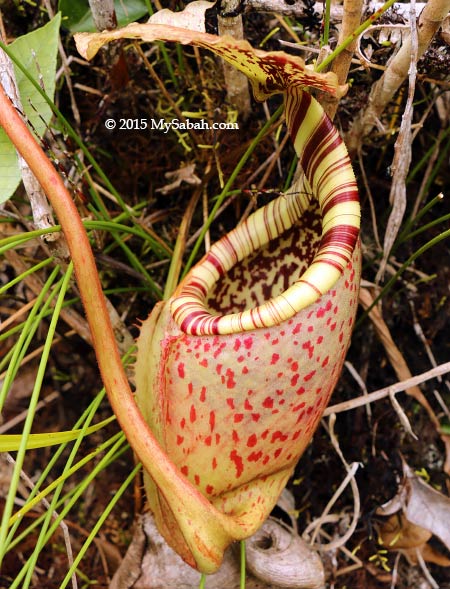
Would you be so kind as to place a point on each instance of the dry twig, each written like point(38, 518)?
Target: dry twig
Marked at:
point(387, 391)
point(430, 20)
point(394, 355)
point(350, 478)
point(350, 21)
point(236, 82)
point(402, 157)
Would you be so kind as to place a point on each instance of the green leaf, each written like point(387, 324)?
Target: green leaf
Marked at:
point(77, 17)
point(11, 442)
point(37, 52)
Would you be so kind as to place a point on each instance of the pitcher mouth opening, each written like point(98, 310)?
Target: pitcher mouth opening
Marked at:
point(269, 271)
point(241, 295)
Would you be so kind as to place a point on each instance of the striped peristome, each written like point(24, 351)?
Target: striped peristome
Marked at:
point(330, 179)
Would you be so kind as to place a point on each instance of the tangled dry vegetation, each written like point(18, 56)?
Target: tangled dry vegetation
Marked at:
point(371, 493)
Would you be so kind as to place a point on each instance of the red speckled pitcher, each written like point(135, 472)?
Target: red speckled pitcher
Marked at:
point(235, 370)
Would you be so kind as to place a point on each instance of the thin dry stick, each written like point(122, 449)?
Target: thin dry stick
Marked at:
point(289, 30)
point(205, 211)
point(428, 171)
point(395, 571)
point(362, 386)
point(209, 103)
point(425, 570)
point(402, 416)
point(268, 165)
point(420, 334)
point(382, 92)
point(225, 205)
point(36, 353)
point(164, 91)
point(236, 82)
point(358, 563)
point(335, 544)
point(180, 245)
point(16, 315)
point(402, 156)
point(373, 213)
point(351, 470)
point(273, 160)
point(393, 353)
point(341, 65)
point(386, 391)
point(35, 284)
point(275, 141)
point(23, 415)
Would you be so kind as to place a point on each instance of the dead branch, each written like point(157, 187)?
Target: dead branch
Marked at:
point(383, 91)
point(299, 9)
point(403, 154)
point(386, 391)
point(341, 65)
point(394, 355)
point(104, 14)
point(236, 82)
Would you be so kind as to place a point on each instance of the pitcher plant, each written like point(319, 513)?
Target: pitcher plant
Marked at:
point(234, 371)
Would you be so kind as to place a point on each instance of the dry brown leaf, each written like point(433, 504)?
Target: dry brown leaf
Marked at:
point(184, 174)
point(416, 513)
point(192, 17)
point(394, 355)
point(397, 533)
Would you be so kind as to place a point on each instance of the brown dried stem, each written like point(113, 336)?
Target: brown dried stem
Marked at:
point(236, 82)
point(386, 391)
point(104, 14)
point(393, 353)
point(383, 91)
point(402, 156)
point(341, 65)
